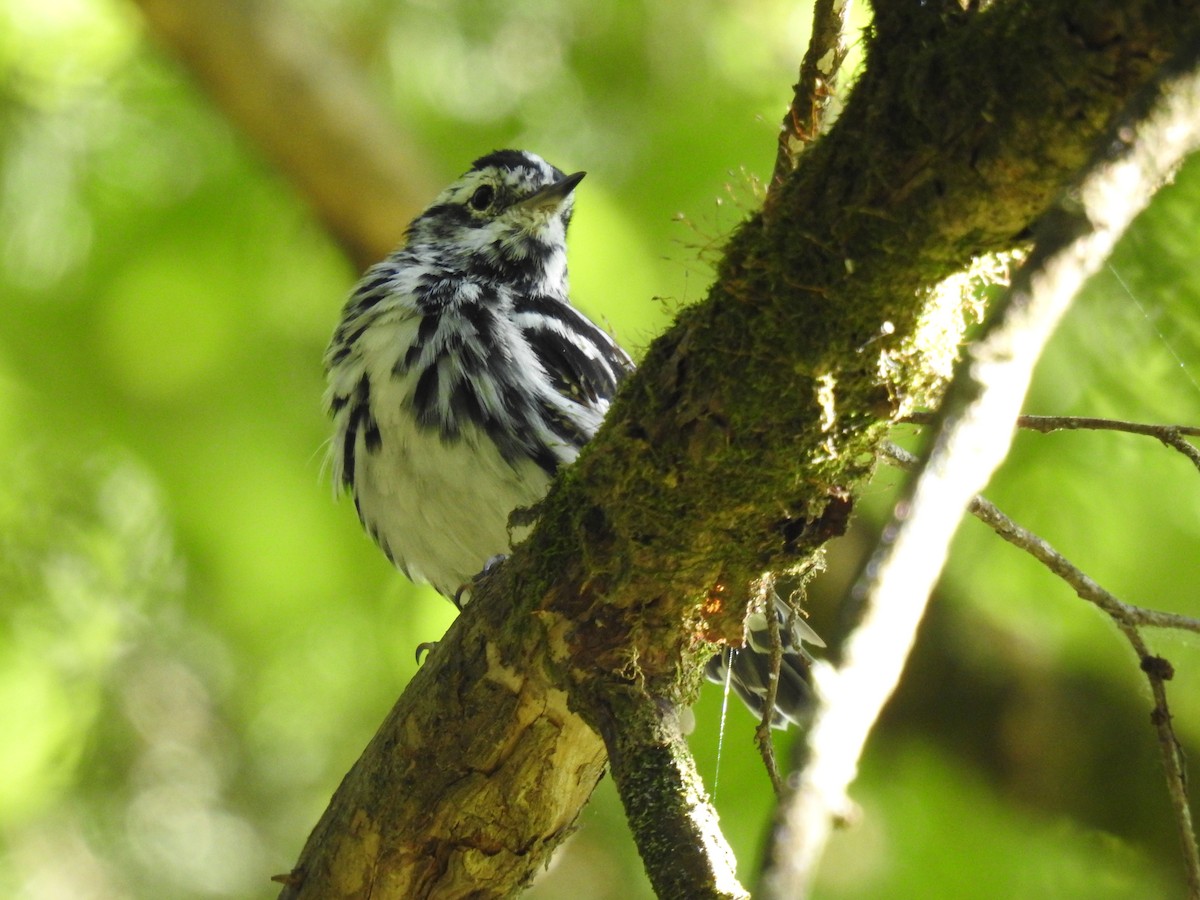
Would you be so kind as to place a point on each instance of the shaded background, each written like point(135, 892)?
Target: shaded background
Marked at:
point(196, 641)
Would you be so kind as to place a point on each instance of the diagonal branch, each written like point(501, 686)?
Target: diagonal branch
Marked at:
point(1128, 619)
point(685, 853)
point(814, 91)
point(975, 425)
point(307, 110)
point(1158, 671)
point(1120, 611)
point(735, 449)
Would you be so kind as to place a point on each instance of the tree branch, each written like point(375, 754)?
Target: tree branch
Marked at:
point(476, 775)
point(974, 428)
point(816, 87)
point(673, 823)
point(1171, 435)
point(1157, 670)
point(1128, 618)
point(1124, 614)
point(307, 110)
point(737, 446)
point(1127, 613)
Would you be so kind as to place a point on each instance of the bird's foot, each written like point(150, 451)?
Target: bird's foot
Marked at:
point(425, 647)
point(463, 594)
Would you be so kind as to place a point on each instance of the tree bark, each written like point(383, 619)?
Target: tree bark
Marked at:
point(738, 445)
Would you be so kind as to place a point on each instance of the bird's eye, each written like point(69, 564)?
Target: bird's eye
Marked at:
point(482, 198)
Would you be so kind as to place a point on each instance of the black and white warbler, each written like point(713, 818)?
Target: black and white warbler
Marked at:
point(460, 378)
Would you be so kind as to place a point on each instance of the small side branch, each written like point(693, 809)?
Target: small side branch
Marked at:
point(1158, 671)
point(1121, 612)
point(762, 734)
point(1125, 614)
point(1171, 435)
point(1046, 424)
point(1128, 619)
point(814, 90)
point(673, 823)
point(1174, 436)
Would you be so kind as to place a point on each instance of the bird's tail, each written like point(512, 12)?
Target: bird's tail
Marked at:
point(751, 666)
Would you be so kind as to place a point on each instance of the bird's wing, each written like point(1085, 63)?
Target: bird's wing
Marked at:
point(584, 364)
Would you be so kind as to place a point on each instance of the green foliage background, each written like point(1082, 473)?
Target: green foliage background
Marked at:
point(196, 641)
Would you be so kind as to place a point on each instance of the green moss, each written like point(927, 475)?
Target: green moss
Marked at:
point(765, 404)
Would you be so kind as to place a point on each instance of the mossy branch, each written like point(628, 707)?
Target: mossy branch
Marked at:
point(737, 447)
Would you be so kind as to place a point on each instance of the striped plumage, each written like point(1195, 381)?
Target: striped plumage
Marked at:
point(460, 377)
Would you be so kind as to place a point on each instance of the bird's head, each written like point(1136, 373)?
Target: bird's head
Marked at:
point(505, 218)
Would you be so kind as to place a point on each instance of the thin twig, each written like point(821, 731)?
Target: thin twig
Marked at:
point(1128, 618)
point(1122, 612)
point(1047, 424)
point(1085, 587)
point(814, 90)
point(1171, 435)
point(1158, 671)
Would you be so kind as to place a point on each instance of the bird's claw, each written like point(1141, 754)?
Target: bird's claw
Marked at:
point(425, 647)
point(489, 567)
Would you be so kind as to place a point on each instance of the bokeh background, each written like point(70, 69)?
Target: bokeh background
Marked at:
point(196, 641)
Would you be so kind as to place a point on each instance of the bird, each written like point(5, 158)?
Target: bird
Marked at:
point(461, 379)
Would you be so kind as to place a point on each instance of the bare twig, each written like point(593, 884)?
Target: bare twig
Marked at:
point(1085, 587)
point(1047, 424)
point(1171, 435)
point(1128, 619)
point(1177, 442)
point(975, 426)
point(814, 90)
point(1122, 612)
point(1158, 672)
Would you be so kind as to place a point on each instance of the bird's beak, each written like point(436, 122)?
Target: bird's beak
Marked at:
point(552, 196)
